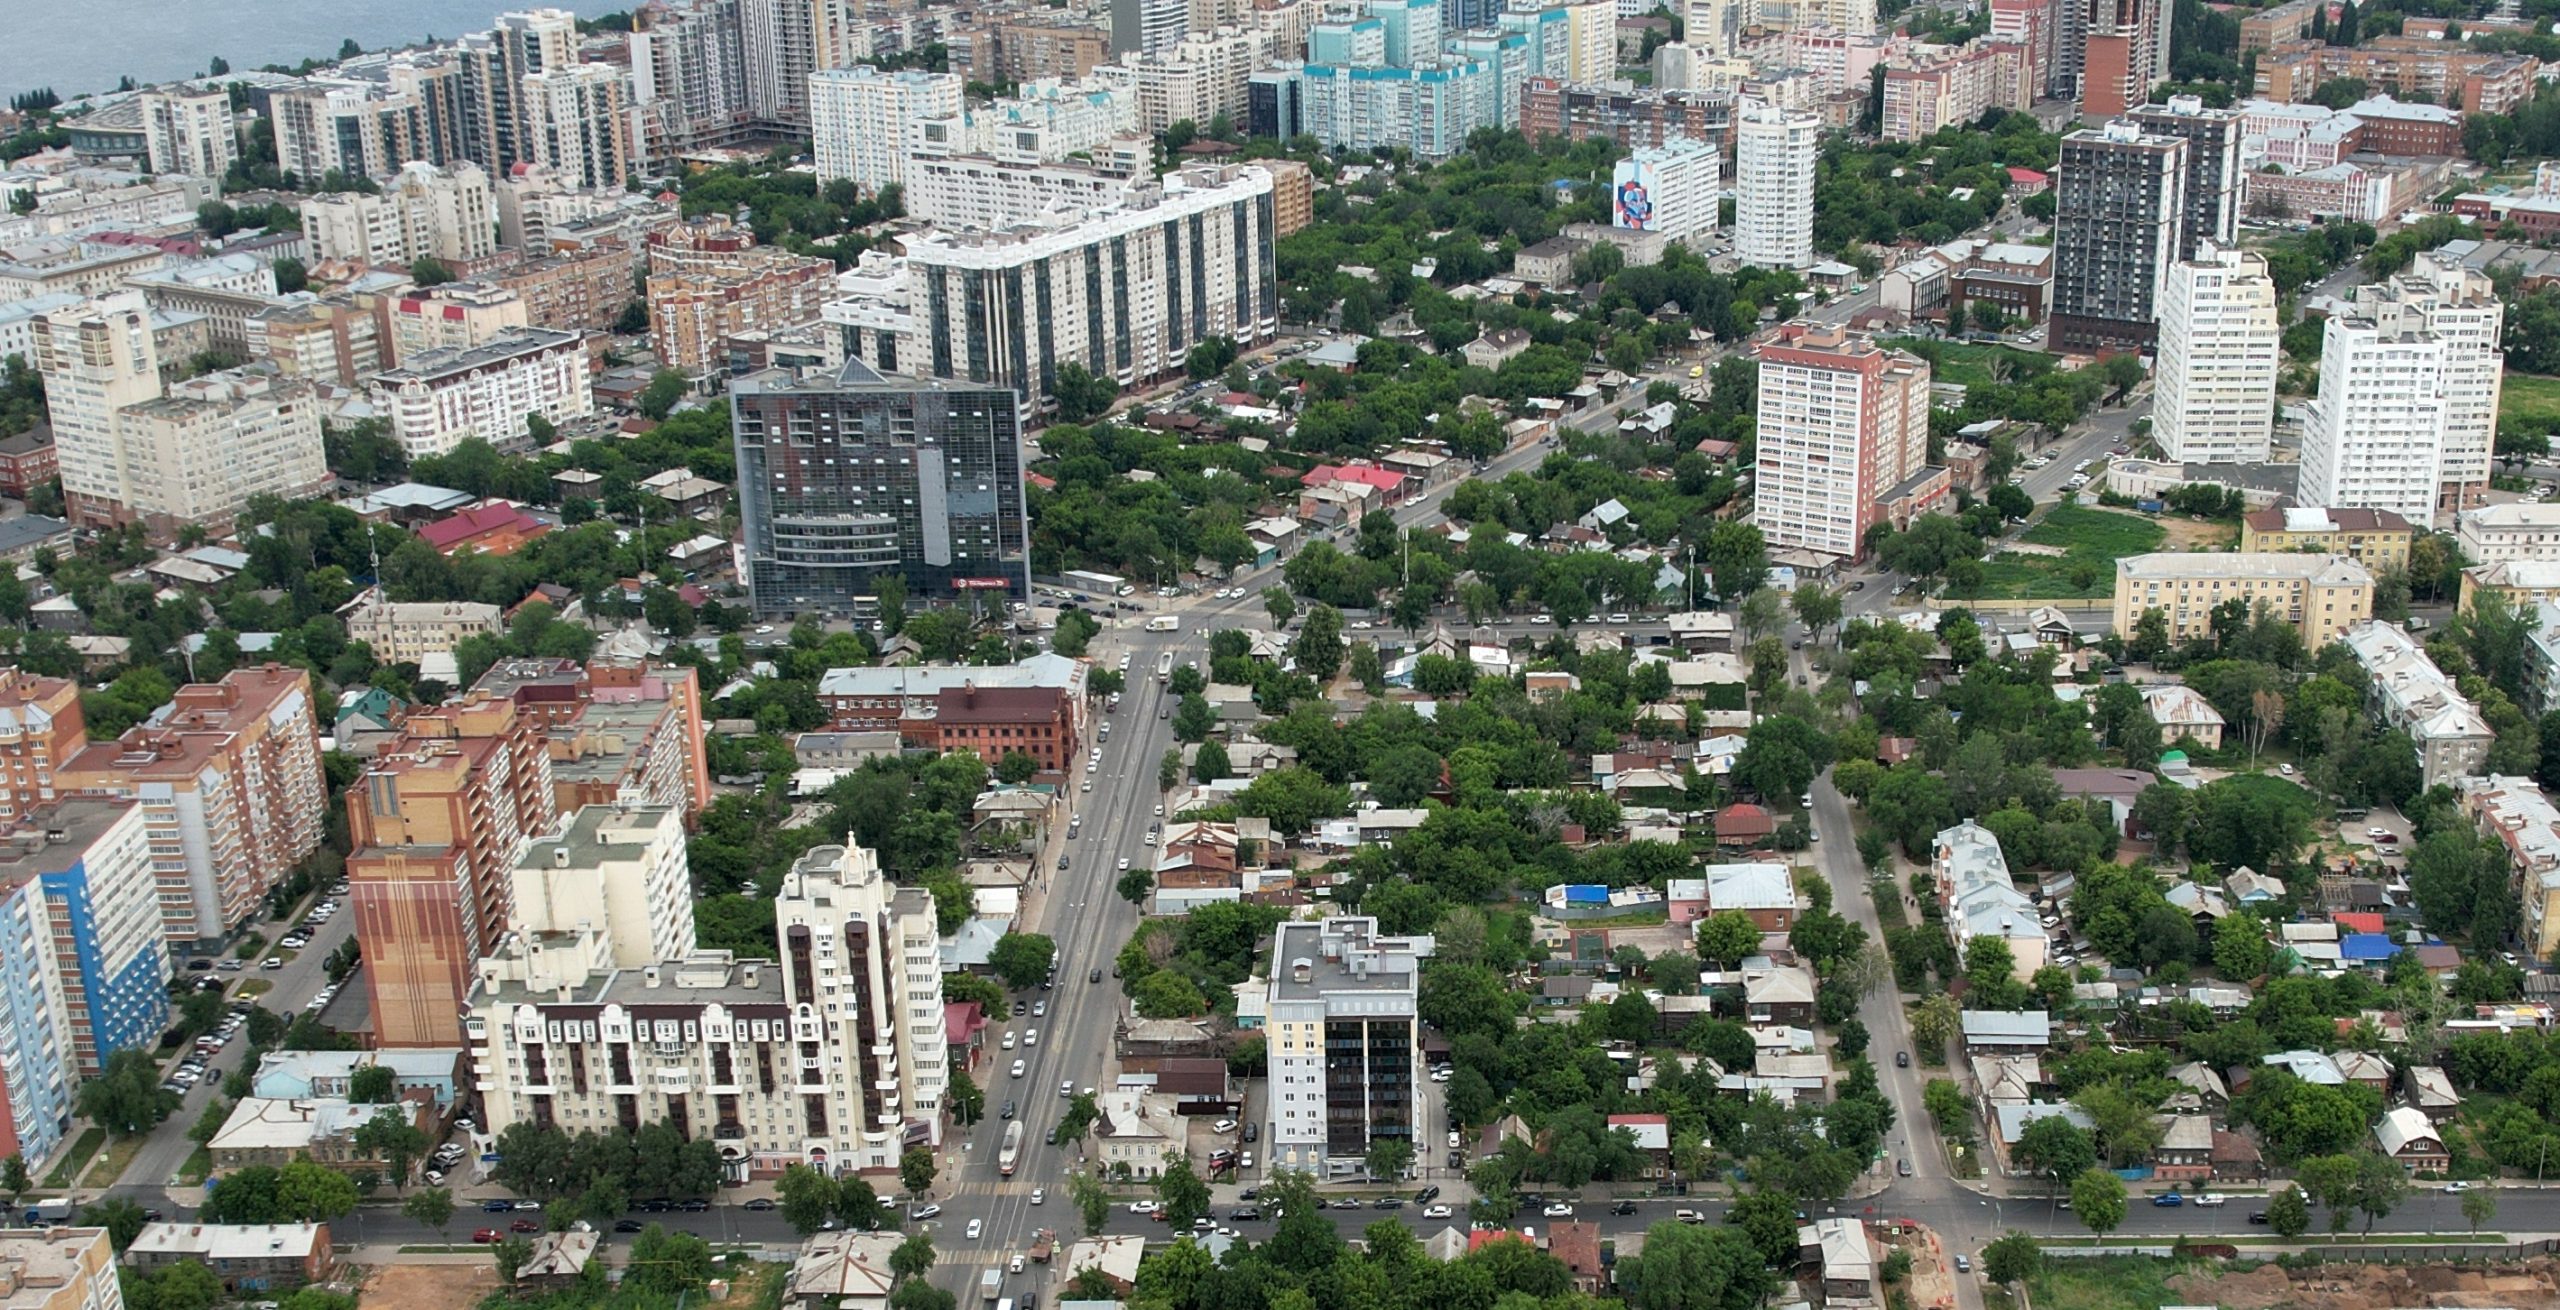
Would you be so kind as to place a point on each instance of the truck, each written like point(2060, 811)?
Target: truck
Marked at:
point(54, 1211)
point(1043, 1245)
point(991, 1285)
point(1164, 623)
point(1102, 583)
point(1011, 1153)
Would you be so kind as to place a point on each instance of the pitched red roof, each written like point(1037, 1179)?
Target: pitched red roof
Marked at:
point(1744, 820)
point(2353, 921)
point(477, 521)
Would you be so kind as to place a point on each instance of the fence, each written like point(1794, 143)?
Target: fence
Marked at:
point(2403, 1253)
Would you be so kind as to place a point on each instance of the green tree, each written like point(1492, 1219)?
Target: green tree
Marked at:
point(1389, 1157)
point(126, 1097)
point(1184, 1197)
point(666, 388)
point(2289, 1213)
point(1280, 605)
point(2479, 1206)
point(2055, 1149)
point(1695, 1267)
point(916, 1170)
point(13, 1176)
point(123, 1219)
point(807, 1198)
point(1092, 1199)
point(429, 1207)
point(1318, 647)
point(912, 1258)
point(1725, 938)
point(511, 1256)
point(967, 1100)
point(667, 1263)
point(429, 271)
point(308, 1192)
point(1016, 767)
point(1022, 959)
point(2011, 1258)
point(370, 1085)
point(2098, 1198)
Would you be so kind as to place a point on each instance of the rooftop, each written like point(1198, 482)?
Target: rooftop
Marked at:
point(2321, 570)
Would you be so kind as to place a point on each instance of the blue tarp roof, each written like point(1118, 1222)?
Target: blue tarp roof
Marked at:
point(2367, 946)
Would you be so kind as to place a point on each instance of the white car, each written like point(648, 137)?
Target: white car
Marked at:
point(1018, 1067)
point(1142, 1207)
point(1031, 1037)
point(1007, 1043)
point(1557, 1210)
point(1223, 1126)
point(976, 1226)
point(1124, 864)
point(2453, 1188)
point(1039, 1194)
point(1435, 1212)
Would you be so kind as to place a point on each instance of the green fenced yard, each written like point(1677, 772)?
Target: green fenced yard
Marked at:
point(2092, 539)
point(1971, 363)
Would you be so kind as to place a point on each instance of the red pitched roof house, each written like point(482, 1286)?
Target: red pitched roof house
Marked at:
point(494, 527)
point(2024, 182)
point(1744, 824)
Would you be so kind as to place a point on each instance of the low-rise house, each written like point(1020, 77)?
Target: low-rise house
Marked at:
point(1652, 1135)
point(2523, 820)
point(1979, 900)
point(2410, 1138)
point(1778, 995)
point(1136, 1129)
point(1766, 892)
point(1576, 1245)
point(2430, 1092)
point(1743, 825)
point(2410, 693)
point(2182, 712)
point(2201, 1090)
point(2365, 1069)
point(557, 1262)
point(2185, 1152)
point(1113, 1258)
point(2008, 1079)
point(2309, 1066)
point(841, 1271)
point(2236, 1158)
point(2030, 1030)
point(423, 1072)
point(277, 1131)
point(246, 1257)
point(2009, 1122)
point(1847, 1260)
point(2248, 887)
point(2203, 904)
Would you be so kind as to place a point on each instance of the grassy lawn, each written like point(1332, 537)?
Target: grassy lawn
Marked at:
point(2531, 398)
point(112, 1165)
point(76, 1159)
point(2106, 1283)
point(256, 987)
point(2094, 539)
point(1971, 363)
point(199, 1163)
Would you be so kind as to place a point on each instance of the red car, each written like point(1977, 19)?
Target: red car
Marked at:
point(488, 1235)
point(524, 1226)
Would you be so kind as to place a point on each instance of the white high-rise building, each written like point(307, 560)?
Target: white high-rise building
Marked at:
point(447, 214)
point(2409, 383)
point(1671, 188)
point(185, 130)
point(2220, 346)
point(1125, 291)
point(985, 193)
point(1774, 151)
point(1148, 26)
point(863, 121)
point(437, 400)
point(579, 124)
point(1843, 424)
point(620, 868)
point(865, 950)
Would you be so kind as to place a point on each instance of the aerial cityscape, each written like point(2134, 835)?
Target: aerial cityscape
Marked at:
point(1281, 655)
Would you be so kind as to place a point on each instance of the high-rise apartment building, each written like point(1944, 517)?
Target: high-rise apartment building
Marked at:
point(425, 212)
point(620, 731)
point(2409, 385)
point(1843, 423)
point(1672, 188)
point(2121, 55)
point(1126, 292)
point(1345, 1043)
point(437, 823)
point(2214, 394)
point(833, 1056)
point(1774, 152)
point(709, 281)
point(498, 128)
point(1194, 80)
point(186, 130)
point(436, 400)
point(843, 480)
point(1148, 26)
point(863, 121)
point(133, 451)
point(688, 77)
point(451, 316)
point(2213, 167)
point(987, 193)
point(620, 868)
point(41, 727)
point(231, 791)
point(2120, 208)
point(578, 124)
point(90, 859)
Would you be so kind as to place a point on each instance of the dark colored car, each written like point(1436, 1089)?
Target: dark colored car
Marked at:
point(760, 1203)
point(500, 1206)
point(1245, 1215)
point(2168, 1200)
point(524, 1226)
point(488, 1235)
point(1426, 1196)
point(629, 1226)
point(2257, 1216)
point(695, 1206)
point(1623, 1207)
point(1902, 1059)
point(1252, 1131)
point(1093, 975)
point(1007, 1112)
point(1387, 1203)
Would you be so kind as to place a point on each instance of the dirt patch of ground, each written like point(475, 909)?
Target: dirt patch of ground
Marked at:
point(429, 1286)
point(2375, 1287)
point(2187, 534)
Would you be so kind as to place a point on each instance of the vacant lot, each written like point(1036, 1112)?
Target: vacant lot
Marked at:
point(2106, 1283)
point(429, 1286)
point(2092, 540)
point(2531, 398)
point(1975, 364)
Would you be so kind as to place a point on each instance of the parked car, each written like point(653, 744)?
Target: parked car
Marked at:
point(2168, 1200)
point(760, 1203)
point(488, 1236)
point(1558, 1210)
